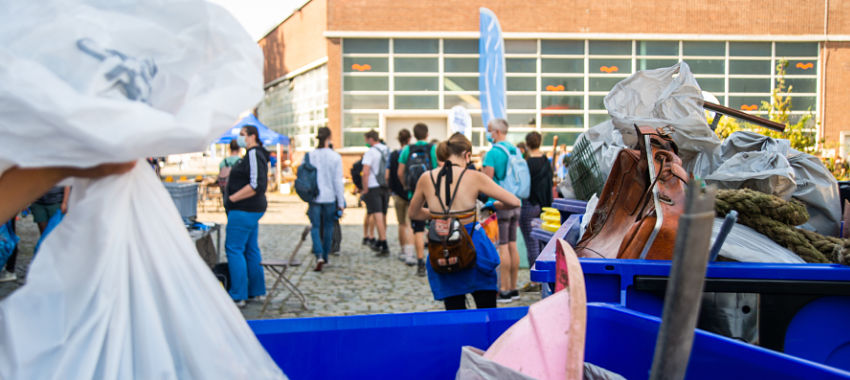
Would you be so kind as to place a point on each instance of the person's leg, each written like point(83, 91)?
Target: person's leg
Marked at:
point(532, 247)
point(328, 218)
point(485, 299)
point(39, 216)
point(253, 257)
point(237, 233)
point(314, 212)
point(504, 252)
point(512, 227)
point(455, 302)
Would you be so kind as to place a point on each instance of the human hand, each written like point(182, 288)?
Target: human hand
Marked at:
point(64, 208)
point(490, 205)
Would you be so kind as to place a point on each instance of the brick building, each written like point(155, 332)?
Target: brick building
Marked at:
point(355, 65)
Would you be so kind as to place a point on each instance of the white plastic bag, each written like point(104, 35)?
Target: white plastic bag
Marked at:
point(661, 97)
point(747, 245)
point(767, 172)
point(118, 290)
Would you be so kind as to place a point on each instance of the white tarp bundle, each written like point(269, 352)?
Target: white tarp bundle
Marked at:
point(118, 290)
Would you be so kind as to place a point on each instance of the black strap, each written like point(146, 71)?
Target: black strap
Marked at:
point(446, 171)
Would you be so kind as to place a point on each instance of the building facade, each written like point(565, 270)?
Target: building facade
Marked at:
point(356, 65)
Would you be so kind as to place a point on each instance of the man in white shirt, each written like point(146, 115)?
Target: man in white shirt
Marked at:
point(375, 191)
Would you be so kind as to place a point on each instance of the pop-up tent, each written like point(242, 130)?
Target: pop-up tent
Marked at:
point(267, 136)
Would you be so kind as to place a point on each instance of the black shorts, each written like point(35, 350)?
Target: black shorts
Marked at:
point(377, 200)
point(418, 225)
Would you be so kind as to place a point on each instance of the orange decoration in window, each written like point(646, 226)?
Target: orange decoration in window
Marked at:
point(805, 66)
point(609, 70)
point(559, 87)
point(749, 107)
point(360, 67)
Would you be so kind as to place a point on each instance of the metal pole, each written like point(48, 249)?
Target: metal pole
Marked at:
point(684, 288)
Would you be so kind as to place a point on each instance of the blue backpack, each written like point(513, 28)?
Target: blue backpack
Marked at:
point(517, 177)
point(307, 182)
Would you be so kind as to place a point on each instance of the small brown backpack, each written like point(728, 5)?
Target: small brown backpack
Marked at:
point(450, 248)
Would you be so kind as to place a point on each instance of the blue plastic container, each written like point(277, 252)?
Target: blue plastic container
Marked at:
point(427, 346)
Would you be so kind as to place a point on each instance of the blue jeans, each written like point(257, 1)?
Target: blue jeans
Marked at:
point(243, 255)
point(322, 216)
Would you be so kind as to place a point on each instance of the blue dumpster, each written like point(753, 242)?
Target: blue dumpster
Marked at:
point(428, 345)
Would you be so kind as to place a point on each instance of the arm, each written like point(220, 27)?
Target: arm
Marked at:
point(339, 189)
point(417, 210)
point(364, 179)
point(504, 199)
point(250, 189)
point(244, 193)
point(65, 195)
point(489, 171)
point(401, 169)
point(20, 187)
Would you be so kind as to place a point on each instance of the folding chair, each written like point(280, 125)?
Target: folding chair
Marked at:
point(278, 269)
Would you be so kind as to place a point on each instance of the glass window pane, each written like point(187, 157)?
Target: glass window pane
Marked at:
point(520, 65)
point(517, 133)
point(365, 101)
point(365, 83)
point(706, 66)
point(368, 65)
point(802, 103)
point(796, 49)
point(596, 118)
point(360, 120)
point(749, 67)
point(611, 47)
point(416, 84)
point(561, 47)
point(521, 120)
point(415, 46)
point(562, 121)
point(415, 65)
point(747, 103)
point(804, 67)
point(562, 102)
point(596, 102)
point(749, 49)
point(562, 84)
point(416, 102)
point(522, 102)
point(365, 46)
point(554, 65)
point(460, 46)
point(799, 85)
point(712, 84)
point(521, 84)
point(353, 139)
point(477, 122)
point(461, 83)
point(470, 102)
point(611, 65)
point(705, 48)
point(568, 138)
point(603, 84)
point(476, 138)
point(520, 46)
point(657, 48)
point(749, 85)
point(649, 64)
point(461, 65)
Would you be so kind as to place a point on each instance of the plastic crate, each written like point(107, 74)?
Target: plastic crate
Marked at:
point(428, 345)
point(185, 197)
point(584, 172)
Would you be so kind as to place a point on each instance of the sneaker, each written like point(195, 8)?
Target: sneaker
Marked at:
point(367, 241)
point(504, 297)
point(514, 295)
point(382, 248)
point(319, 265)
point(410, 260)
point(6, 276)
point(375, 245)
point(420, 270)
point(240, 303)
point(257, 299)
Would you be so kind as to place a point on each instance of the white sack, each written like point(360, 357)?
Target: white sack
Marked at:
point(658, 98)
point(118, 290)
point(767, 172)
point(747, 245)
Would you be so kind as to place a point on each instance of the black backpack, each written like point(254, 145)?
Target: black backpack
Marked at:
point(418, 162)
point(307, 181)
point(357, 174)
point(395, 182)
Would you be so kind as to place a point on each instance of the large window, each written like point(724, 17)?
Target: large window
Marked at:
point(557, 87)
point(298, 107)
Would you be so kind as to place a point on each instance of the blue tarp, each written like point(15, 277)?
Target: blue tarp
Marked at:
point(267, 136)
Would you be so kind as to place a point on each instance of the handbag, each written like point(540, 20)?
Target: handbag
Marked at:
point(638, 211)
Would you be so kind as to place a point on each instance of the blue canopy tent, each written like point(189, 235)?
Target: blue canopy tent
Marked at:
point(267, 136)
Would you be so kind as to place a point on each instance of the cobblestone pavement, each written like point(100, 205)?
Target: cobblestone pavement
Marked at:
point(355, 282)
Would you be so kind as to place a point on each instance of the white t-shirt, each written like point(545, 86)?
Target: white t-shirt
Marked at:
point(372, 158)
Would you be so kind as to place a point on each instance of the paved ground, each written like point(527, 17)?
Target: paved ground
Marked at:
point(355, 282)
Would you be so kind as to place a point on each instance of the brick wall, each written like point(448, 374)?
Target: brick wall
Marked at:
point(836, 57)
point(295, 42)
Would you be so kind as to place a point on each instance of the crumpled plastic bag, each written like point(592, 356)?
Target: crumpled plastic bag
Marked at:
point(661, 97)
point(474, 366)
point(118, 290)
point(747, 245)
point(765, 171)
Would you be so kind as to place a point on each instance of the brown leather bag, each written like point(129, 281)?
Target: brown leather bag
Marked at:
point(625, 223)
point(450, 248)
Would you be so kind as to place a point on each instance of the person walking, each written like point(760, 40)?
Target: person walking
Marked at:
point(375, 192)
point(328, 205)
point(540, 195)
point(454, 189)
point(413, 161)
point(400, 201)
point(496, 167)
point(246, 204)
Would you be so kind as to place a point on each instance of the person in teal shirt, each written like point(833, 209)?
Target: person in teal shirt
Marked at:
point(496, 166)
point(233, 158)
point(420, 131)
